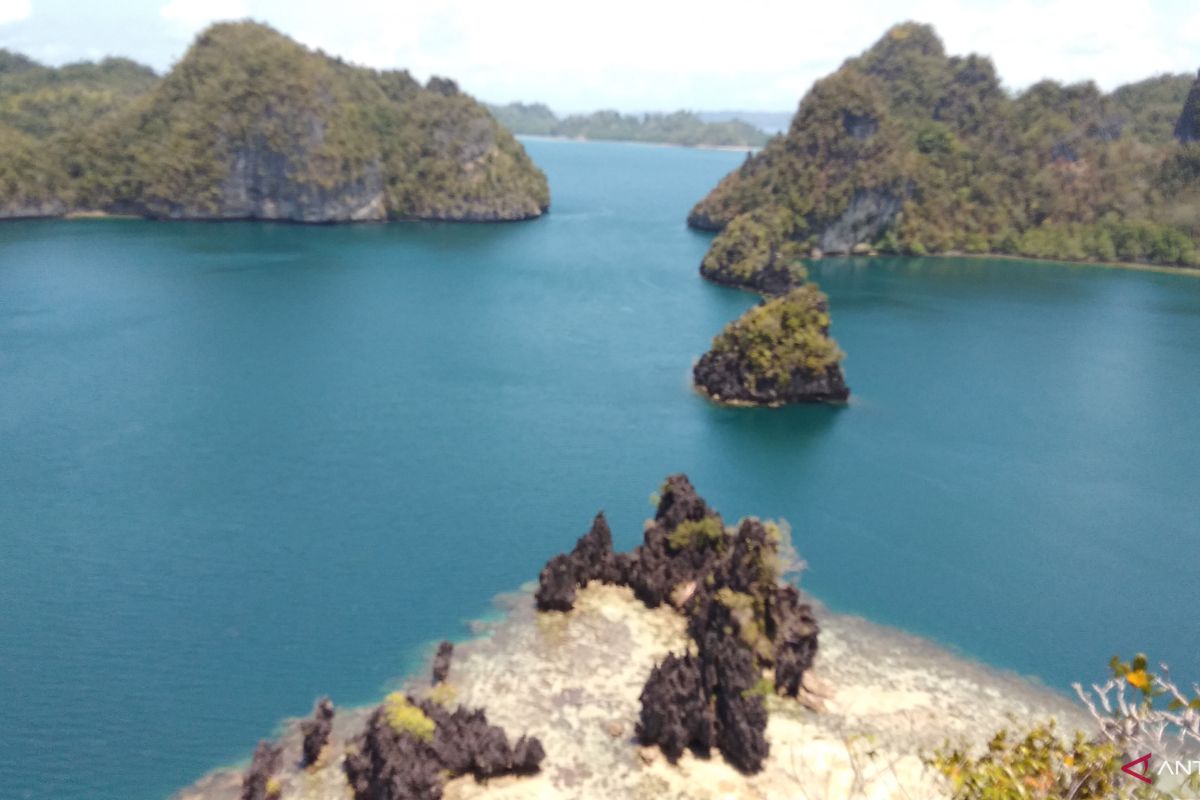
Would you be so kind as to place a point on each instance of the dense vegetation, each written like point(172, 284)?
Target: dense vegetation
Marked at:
point(251, 124)
point(905, 149)
point(680, 127)
point(778, 352)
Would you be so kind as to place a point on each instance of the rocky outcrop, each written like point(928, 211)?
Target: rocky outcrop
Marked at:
point(389, 761)
point(725, 378)
point(755, 252)
point(1187, 129)
point(441, 662)
point(264, 184)
point(676, 714)
point(256, 785)
point(777, 353)
point(592, 559)
point(741, 620)
point(316, 732)
point(16, 208)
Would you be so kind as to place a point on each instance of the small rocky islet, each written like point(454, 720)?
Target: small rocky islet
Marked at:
point(687, 667)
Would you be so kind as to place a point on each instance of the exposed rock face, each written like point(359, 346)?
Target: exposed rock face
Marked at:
point(591, 560)
point(265, 184)
point(267, 759)
point(316, 731)
point(740, 618)
point(390, 763)
point(777, 353)
point(1187, 129)
point(17, 208)
point(675, 711)
point(441, 662)
point(795, 637)
point(870, 213)
point(723, 377)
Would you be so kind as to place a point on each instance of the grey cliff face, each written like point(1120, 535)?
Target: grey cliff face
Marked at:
point(20, 208)
point(870, 212)
point(263, 185)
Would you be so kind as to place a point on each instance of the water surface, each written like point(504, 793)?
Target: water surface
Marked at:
point(243, 465)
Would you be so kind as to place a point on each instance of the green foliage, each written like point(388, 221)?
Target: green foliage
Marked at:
point(244, 93)
point(783, 336)
point(753, 244)
point(404, 717)
point(1058, 171)
point(680, 127)
point(1152, 106)
point(764, 688)
point(1038, 765)
point(698, 534)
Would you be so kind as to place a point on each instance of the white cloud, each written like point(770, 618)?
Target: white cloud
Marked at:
point(665, 54)
point(15, 10)
point(194, 13)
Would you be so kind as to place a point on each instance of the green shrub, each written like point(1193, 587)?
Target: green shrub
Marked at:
point(698, 534)
point(404, 717)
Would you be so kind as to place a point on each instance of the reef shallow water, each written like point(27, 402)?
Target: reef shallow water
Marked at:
point(573, 679)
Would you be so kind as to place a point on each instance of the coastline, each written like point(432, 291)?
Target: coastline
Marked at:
point(729, 148)
point(886, 699)
point(1130, 265)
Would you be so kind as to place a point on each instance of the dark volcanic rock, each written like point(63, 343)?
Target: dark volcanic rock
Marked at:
point(656, 567)
point(795, 638)
point(441, 662)
point(724, 377)
point(740, 617)
point(316, 731)
point(267, 759)
point(675, 711)
point(591, 560)
point(465, 742)
point(384, 763)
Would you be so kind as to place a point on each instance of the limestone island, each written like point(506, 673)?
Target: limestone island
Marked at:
point(250, 124)
point(907, 150)
point(777, 353)
point(690, 667)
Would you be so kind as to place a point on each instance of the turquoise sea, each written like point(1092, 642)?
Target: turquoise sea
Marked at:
point(244, 465)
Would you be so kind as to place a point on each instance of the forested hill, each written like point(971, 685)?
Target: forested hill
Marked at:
point(906, 149)
point(681, 127)
point(252, 125)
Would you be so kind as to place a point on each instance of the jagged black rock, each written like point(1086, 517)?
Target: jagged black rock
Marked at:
point(386, 763)
point(316, 731)
point(267, 758)
point(740, 616)
point(441, 662)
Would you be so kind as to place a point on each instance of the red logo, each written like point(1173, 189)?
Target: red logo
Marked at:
point(1144, 761)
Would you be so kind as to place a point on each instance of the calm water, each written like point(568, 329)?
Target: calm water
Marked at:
point(244, 465)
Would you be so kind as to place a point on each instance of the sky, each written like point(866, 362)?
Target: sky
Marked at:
point(637, 55)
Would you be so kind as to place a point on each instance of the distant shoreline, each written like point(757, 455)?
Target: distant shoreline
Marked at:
point(732, 148)
point(1130, 265)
